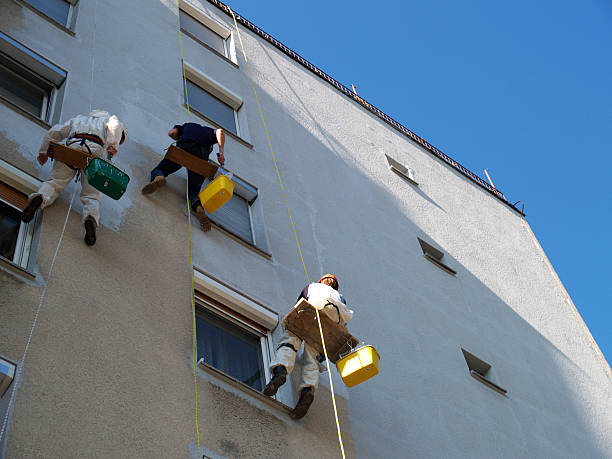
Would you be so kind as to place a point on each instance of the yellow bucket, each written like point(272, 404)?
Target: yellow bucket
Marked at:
point(358, 366)
point(217, 193)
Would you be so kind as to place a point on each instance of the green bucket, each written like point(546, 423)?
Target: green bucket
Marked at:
point(107, 178)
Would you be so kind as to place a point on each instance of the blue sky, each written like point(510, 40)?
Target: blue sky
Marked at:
point(520, 88)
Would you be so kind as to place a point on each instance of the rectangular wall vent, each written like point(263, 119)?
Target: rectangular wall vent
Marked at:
point(435, 256)
point(403, 171)
point(479, 370)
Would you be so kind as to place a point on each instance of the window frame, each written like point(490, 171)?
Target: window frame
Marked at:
point(23, 243)
point(37, 71)
point(227, 302)
point(29, 233)
point(214, 26)
point(70, 19)
point(224, 94)
point(208, 117)
point(202, 301)
point(242, 189)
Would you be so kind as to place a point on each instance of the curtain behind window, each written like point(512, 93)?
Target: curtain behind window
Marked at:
point(229, 348)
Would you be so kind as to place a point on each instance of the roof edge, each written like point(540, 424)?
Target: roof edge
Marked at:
point(368, 106)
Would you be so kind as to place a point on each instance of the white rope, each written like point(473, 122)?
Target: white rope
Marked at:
point(19, 373)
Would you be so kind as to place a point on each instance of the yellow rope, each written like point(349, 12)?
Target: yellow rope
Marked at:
point(193, 314)
point(263, 120)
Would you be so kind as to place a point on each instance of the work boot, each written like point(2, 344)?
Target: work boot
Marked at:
point(31, 208)
point(306, 399)
point(156, 183)
point(90, 231)
point(203, 219)
point(279, 376)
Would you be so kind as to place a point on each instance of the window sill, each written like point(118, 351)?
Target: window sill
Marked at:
point(244, 242)
point(243, 387)
point(478, 377)
point(21, 111)
point(210, 48)
point(59, 25)
point(217, 126)
point(16, 269)
point(440, 265)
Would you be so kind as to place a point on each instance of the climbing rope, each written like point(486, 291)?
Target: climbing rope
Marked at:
point(263, 120)
point(193, 314)
point(21, 365)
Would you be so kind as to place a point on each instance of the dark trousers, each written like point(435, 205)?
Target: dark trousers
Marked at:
point(166, 167)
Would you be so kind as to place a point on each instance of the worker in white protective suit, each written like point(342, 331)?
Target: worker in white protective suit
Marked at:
point(99, 134)
point(325, 297)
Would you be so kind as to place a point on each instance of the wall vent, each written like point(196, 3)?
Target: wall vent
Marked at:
point(435, 256)
point(479, 370)
point(401, 170)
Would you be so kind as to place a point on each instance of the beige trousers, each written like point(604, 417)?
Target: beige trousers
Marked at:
point(286, 354)
point(60, 177)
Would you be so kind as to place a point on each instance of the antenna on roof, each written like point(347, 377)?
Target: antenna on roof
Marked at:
point(354, 90)
point(490, 181)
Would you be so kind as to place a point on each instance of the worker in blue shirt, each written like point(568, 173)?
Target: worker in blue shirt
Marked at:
point(199, 141)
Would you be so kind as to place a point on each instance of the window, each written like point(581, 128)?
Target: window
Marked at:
point(211, 107)
point(29, 81)
point(15, 236)
point(7, 374)
point(401, 170)
point(235, 216)
point(60, 11)
point(232, 332)
point(18, 240)
point(214, 102)
point(480, 371)
point(230, 348)
point(435, 256)
point(206, 31)
point(202, 34)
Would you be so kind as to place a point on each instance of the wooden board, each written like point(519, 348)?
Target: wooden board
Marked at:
point(71, 156)
point(193, 163)
point(302, 321)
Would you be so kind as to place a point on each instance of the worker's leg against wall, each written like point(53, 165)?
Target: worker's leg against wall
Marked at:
point(90, 197)
point(286, 352)
point(310, 370)
point(195, 183)
point(59, 178)
point(165, 168)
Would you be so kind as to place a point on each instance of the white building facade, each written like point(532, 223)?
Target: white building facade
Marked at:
point(483, 351)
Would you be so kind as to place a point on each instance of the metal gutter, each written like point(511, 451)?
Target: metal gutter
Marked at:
point(371, 108)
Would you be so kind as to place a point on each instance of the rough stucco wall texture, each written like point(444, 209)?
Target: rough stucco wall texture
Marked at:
point(109, 371)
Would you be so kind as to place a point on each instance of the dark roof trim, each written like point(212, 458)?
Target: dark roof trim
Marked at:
point(364, 103)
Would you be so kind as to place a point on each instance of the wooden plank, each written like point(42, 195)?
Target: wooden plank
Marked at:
point(193, 163)
point(71, 156)
point(302, 321)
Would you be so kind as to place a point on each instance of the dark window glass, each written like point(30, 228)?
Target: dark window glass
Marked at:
point(22, 92)
point(56, 9)
point(230, 348)
point(202, 33)
point(211, 107)
point(10, 221)
point(234, 217)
